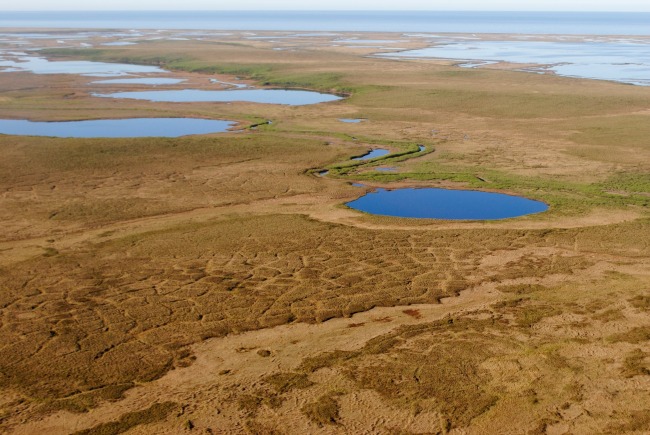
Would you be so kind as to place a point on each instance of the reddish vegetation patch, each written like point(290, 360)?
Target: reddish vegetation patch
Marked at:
point(413, 313)
point(383, 319)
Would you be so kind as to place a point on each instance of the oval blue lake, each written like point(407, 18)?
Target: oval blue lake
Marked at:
point(290, 97)
point(352, 120)
point(372, 154)
point(154, 81)
point(135, 127)
point(433, 203)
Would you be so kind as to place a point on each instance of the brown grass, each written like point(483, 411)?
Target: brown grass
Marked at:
point(285, 382)
point(635, 364)
point(153, 414)
point(118, 256)
point(635, 335)
point(324, 411)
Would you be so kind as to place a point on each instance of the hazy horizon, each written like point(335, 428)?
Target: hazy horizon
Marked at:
point(335, 5)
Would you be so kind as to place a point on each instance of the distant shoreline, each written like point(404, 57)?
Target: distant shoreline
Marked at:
point(569, 23)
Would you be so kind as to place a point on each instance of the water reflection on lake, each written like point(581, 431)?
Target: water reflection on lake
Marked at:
point(118, 43)
point(268, 96)
point(140, 81)
point(626, 61)
point(435, 203)
point(135, 127)
point(39, 65)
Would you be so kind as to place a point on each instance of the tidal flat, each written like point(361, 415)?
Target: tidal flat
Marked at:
point(218, 283)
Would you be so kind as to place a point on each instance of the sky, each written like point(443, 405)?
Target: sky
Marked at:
point(457, 5)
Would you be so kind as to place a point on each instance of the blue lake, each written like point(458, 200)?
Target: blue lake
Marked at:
point(622, 60)
point(435, 203)
point(38, 65)
point(373, 154)
point(135, 127)
point(367, 41)
point(351, 120)
point(154, 81)
point(267, 96)
point(118, 43)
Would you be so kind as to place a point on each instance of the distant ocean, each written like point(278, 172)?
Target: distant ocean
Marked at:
point(575, 23)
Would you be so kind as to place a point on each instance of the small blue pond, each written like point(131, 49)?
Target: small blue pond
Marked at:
point(435, 203)
point(372, 154)
point(352, 120)
point(268, 96)
point(135, 127)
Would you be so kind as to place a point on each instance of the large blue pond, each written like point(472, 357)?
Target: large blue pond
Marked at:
point(435, 203)
point(268, 96)
point(136, 127)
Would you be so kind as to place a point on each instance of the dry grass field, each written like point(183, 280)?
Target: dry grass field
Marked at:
point(216, 284)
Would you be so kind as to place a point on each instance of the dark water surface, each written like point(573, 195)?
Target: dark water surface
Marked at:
point(136, 127)
point(435, 203)
point(268, 96)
